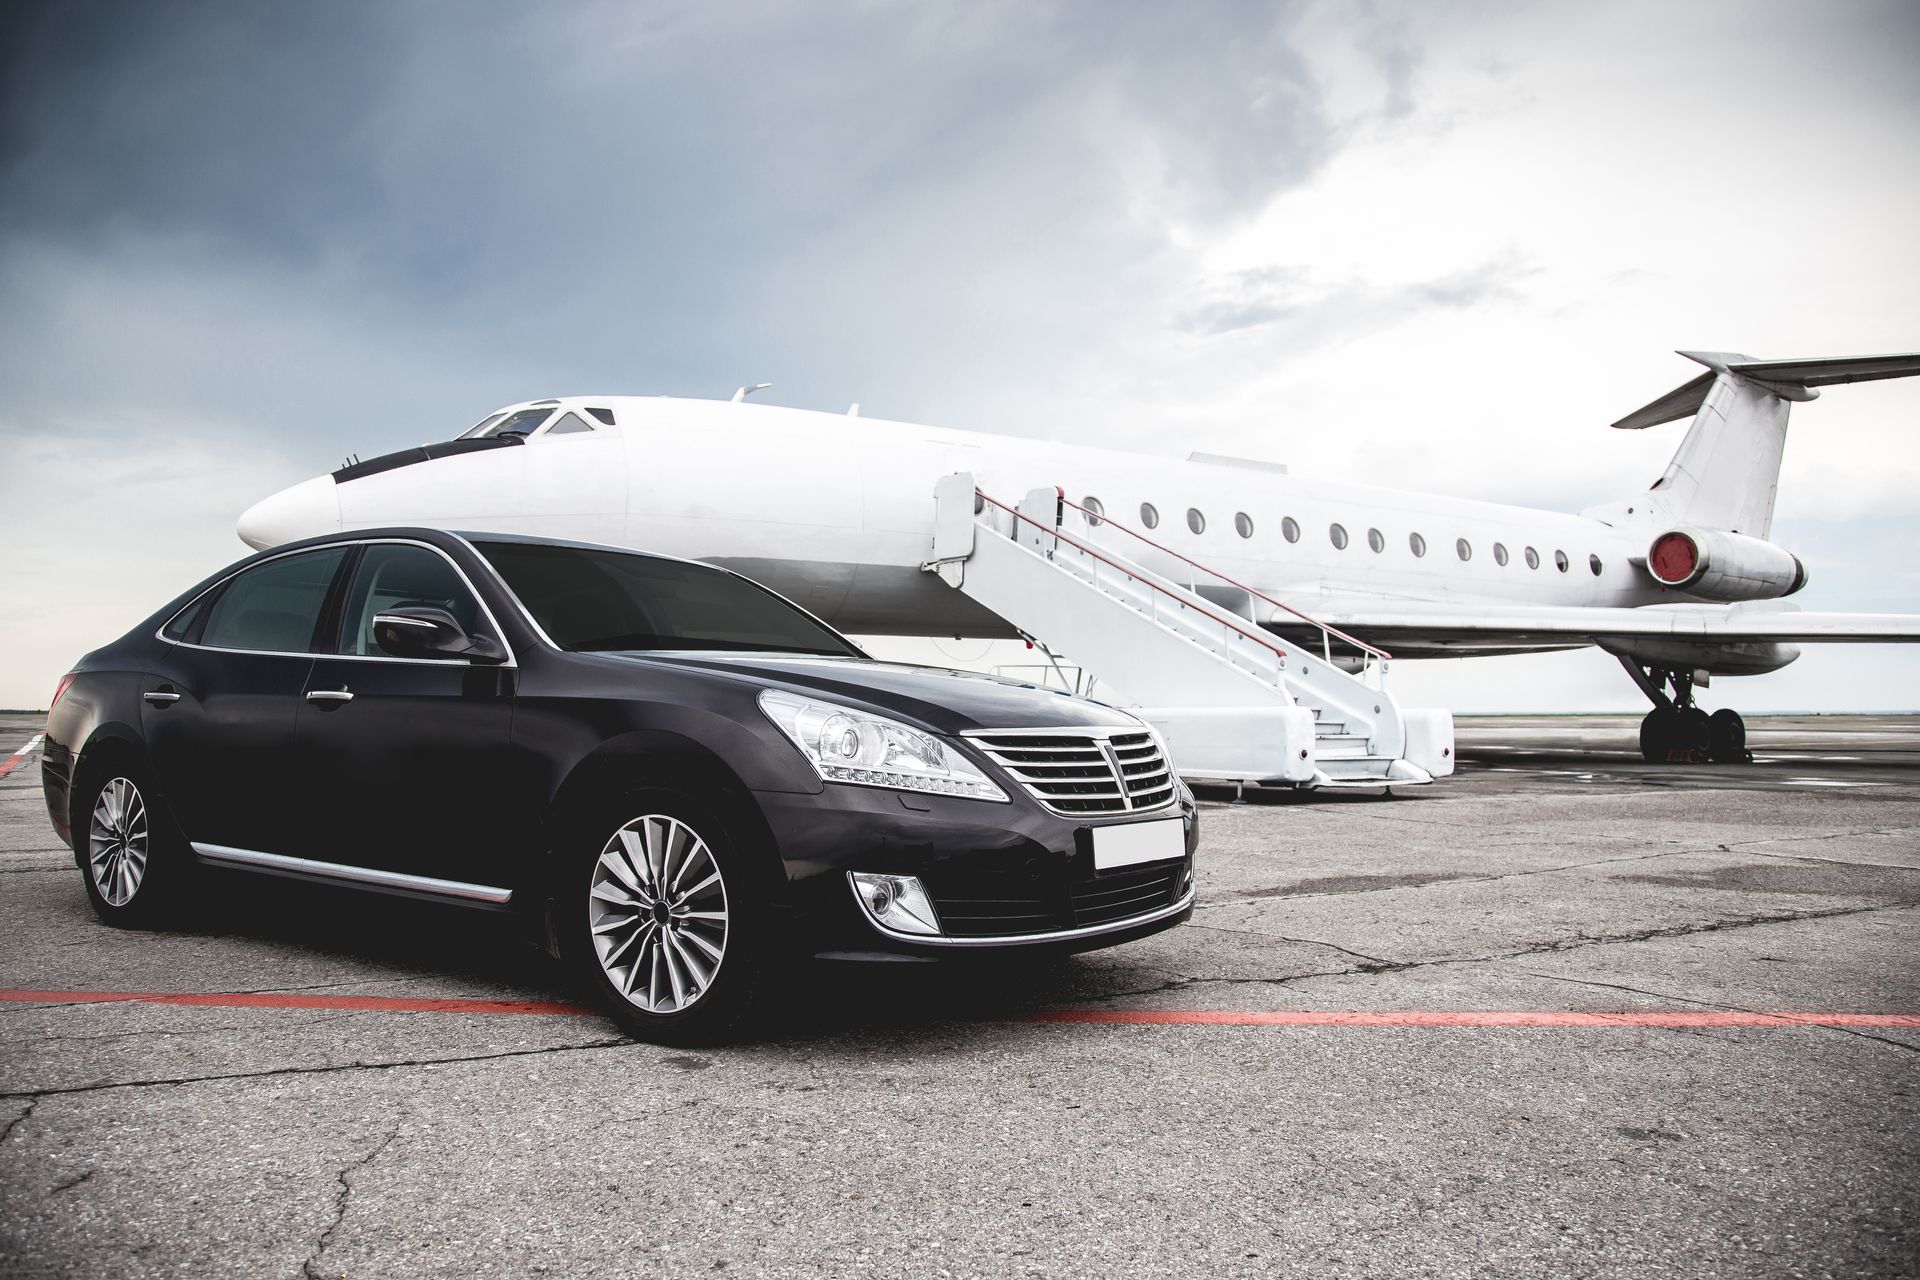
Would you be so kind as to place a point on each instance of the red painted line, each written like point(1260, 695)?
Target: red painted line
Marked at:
point(11, 763)
point(278, 1000)
point(1471, 1018)
point(1123, 1017)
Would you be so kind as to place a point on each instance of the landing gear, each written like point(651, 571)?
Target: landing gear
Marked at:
point(1678, 732)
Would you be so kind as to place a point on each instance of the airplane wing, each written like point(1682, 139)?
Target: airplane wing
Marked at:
point(1402, 624)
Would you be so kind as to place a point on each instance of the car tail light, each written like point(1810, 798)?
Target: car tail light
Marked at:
point(66, 683)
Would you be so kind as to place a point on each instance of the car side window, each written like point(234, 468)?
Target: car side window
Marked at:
point(398, 575)
point(275, 607)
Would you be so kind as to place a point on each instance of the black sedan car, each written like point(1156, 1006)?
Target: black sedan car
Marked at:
point(675, 776)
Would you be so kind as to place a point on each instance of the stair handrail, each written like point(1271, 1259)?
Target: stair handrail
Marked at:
point(1097, 518)
point(1226, 617)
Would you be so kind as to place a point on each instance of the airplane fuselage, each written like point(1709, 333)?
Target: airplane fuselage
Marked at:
point(836, 512)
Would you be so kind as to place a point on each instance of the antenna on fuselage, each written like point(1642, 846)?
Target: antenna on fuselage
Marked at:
point(743, 392)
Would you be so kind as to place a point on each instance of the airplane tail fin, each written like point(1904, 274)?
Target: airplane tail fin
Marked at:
point(1727, 470)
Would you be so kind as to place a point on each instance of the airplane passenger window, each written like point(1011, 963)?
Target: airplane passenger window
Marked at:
point(1149, 515)
point(1417, 543)
point(569, 424)
point(1376, 540)
point(1463, 548)
point(1339, 535)
point(1560, 561)
point(1533, 558)
point(1500, 554)
point(1243, 524)
point(1196, 521)
point(1094, 510)
point(1593, 563)
point(1290, 529)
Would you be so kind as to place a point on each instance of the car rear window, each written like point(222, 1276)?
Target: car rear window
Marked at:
point(273, 607)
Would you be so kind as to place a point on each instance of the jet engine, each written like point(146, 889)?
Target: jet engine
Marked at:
point(1716, 565)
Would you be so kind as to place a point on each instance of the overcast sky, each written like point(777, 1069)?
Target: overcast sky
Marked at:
point(1430, 246)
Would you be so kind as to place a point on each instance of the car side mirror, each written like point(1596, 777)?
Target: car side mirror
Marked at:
point(423, 632)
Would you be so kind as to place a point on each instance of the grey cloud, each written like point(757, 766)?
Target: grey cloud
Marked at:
point(1269, 297)
point(854, 202)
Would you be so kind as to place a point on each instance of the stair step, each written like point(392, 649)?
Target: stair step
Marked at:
point(1354, 768)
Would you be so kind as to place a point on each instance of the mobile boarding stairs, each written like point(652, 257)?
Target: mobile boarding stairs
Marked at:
point(1234, 701)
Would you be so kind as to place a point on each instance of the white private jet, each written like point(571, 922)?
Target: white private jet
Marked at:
point(1248, 612)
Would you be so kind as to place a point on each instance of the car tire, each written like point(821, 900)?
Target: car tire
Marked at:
point(661, 916)
point(136, 868)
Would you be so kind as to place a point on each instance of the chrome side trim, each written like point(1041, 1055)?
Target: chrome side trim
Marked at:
point(351, 541)
point(248, 858)
point(1025, 939)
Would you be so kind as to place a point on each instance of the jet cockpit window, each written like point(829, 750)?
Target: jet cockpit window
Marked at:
point(569, 424)
point(521, 422)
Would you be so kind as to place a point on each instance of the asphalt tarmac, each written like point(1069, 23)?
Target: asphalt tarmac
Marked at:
point(1564, 1014)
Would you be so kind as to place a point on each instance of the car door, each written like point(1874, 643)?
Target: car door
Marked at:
point(220, 703)
point(404, 760)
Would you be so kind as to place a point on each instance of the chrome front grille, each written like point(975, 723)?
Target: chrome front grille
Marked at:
point(1082, 772)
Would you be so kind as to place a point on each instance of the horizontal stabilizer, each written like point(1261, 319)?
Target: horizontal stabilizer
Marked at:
point(1791, 379)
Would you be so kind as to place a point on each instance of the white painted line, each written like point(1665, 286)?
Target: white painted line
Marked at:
point(28, 749)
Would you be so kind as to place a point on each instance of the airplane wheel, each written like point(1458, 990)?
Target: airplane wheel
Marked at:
point(1696, 733)
point(1727, 738)
point(1658, 734)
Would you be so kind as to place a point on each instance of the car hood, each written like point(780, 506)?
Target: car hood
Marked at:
point(947, 701)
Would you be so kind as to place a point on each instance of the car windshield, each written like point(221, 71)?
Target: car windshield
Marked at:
point(587, 599)
point(518, 423)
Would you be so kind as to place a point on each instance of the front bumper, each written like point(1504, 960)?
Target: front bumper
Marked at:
point(1003, 877)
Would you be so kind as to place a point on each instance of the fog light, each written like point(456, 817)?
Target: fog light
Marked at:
point(898, 903)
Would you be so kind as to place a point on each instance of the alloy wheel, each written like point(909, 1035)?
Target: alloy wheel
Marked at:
point(657, 913)
point(117, 844)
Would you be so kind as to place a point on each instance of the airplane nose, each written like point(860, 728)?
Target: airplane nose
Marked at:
point(308, 508)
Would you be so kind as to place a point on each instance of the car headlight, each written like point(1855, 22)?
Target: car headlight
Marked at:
point(845, 745)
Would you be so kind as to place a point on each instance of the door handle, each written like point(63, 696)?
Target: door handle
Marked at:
point(329, 695)
point(160, 697)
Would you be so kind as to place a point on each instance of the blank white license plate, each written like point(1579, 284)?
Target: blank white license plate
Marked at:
point(1136, 842)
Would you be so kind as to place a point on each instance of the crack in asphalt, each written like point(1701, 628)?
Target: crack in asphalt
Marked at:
point(1712, 1004)
point(329, 1069)
point(18, 1120)
point(1741, 846)
point(311, 1267)
point(1578, 942)
point(71, 1183)
point(121, 1001)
